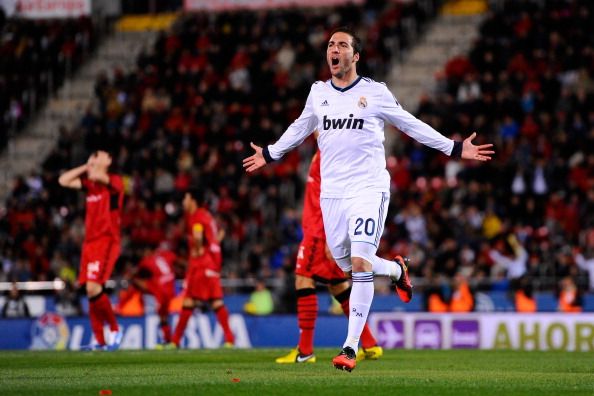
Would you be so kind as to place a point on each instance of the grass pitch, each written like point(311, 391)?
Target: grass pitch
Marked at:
point(253, 372)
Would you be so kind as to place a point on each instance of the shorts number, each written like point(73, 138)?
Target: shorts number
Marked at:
point(369, 226)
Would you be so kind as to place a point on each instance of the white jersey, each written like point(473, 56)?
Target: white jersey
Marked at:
point(350, 122)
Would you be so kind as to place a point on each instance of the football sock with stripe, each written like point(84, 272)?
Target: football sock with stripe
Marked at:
point(103, 304)
point(223, 318)
point(96, 319)
point(367, 338)
point(184, 316)
point(307, 313)
point(385, 267)
point(359, 304)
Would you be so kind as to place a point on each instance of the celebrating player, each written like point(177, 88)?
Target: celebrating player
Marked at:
point(101, 246)
point(314, 265)
point(203, 281)
point(349, 112)
point(155, 275)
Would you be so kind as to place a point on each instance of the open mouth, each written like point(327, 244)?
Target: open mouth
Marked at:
point(334, 61)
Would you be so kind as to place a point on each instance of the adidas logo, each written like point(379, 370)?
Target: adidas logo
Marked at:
point(325, 103)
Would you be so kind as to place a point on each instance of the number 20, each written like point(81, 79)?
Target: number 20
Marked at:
point(369, 226)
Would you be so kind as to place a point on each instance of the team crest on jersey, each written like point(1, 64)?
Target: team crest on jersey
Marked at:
point(362, 102)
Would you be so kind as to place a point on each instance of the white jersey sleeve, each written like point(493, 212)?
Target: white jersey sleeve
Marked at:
point(393, 113)
point(296, 133)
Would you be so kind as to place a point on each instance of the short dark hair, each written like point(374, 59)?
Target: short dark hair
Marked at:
point(356, 41)
point(197, 194)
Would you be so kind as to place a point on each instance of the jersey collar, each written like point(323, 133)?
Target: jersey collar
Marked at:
point(347, 87)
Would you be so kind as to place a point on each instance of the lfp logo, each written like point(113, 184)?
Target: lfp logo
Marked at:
point(49, 331)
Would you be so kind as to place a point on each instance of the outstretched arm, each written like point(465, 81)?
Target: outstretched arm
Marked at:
point(255, 161)
point(71, 178)
point(472, 152)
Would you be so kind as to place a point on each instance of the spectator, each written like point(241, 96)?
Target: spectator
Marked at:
point(15, 305)
point(260, 302)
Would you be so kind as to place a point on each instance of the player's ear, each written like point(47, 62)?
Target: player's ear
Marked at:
point(356, 57)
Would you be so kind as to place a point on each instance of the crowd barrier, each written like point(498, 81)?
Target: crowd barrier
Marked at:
point(394, 330)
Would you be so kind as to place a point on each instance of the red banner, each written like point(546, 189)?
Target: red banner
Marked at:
point(38, 9)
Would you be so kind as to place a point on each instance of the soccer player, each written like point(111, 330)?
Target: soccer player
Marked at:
point(101, 246)
point(313, 264)
point(203, 280)
point(155, 275)
point(349, 112)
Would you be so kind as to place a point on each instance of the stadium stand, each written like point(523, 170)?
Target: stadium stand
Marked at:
point(187, 113)
point(35, 58)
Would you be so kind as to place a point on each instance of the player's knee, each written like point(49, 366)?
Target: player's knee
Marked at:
point(216, 304)
point(337, 289)
point(188, 303)
point(302, 282)
point(360, 264)
point(93, 289)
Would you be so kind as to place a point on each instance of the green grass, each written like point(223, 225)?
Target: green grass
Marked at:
point(212, 372)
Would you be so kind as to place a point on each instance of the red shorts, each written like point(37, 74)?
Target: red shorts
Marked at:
point(312, 262)
point(163, 292)
point(202, 283)
point(98, 259)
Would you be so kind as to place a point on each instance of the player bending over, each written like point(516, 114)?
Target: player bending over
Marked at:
point(155, 275)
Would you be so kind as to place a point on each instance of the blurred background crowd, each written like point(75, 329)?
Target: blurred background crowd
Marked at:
point(215, 82)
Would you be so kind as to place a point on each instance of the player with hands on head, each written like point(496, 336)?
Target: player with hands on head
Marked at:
point(101, 246)
point(349, 112)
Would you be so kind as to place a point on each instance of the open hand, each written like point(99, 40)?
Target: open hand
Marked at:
point(255, 161)
point(472, 152)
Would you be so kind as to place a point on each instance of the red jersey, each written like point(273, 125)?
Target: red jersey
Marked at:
point(160, 266)
point(103, 208)
point(202, 220)
point(311, 220)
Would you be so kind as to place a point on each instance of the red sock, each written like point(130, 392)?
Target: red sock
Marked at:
point(307, 313)
point(106, 311)
point(367, 339)
point(223, 318)
point(181, 325)
point(96, 321)
point(166, 331)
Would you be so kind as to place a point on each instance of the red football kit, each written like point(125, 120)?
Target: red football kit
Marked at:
point(203, 281)
point(101, 247)
point(159, 267)
point(312, 261)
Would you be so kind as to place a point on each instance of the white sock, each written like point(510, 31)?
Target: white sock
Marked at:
point(385, 267)
point(359, 303)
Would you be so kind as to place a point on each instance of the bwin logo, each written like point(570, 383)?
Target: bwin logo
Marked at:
point(343, 123)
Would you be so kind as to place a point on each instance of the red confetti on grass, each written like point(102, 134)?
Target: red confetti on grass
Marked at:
point(235, 380)
point(105, 392)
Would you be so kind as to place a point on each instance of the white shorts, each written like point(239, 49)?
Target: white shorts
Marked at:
point(354, 226)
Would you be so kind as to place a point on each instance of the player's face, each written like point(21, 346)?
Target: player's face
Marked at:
point(188, 202)
point(100, 159)
point(340, 54)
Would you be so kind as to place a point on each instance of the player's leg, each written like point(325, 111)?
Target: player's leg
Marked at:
point(115, 332)
point(336, 226)
point(163, 299)
point(94, 292)
point(307, 313)
point(222, 314)
point(370, 350)
point(188, 305)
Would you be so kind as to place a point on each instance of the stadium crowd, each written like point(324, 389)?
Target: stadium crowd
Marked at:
point(35, 58)
point(187, 113)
